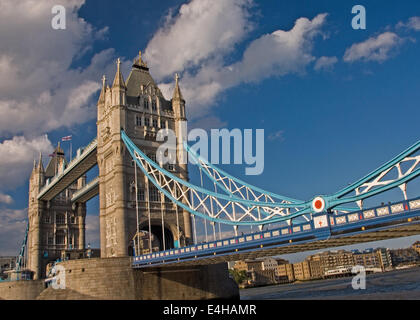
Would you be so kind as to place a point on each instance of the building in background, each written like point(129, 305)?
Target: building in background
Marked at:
point(404, 257)
point(6, 264)
point(416, 246)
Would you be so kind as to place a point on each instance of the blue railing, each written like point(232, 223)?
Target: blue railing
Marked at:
point(311, 230)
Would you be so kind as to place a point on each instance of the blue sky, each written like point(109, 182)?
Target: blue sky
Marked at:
point(326, 124)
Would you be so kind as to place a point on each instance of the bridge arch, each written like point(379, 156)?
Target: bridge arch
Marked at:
point(156, 228)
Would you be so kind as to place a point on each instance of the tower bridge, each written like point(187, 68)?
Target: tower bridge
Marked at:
point(139, 197)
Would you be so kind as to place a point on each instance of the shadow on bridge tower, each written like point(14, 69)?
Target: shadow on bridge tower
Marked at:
point(138, 107)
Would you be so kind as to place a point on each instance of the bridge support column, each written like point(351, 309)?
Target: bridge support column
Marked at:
point(113, 278)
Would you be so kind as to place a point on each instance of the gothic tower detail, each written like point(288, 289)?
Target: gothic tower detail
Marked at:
point(56, 227)
point(138, 107)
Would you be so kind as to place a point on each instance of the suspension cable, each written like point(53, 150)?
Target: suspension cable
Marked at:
point(136, 242)
point(177, 225)
point(162, 204)
point(205, 221)
point(162, 196)
point(194, 226)
point(148, 211)
point(220, 233)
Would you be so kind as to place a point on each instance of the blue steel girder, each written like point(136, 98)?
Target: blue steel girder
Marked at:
point(234, 209)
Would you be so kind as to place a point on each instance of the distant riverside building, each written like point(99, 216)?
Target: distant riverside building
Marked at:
point(416, 246)
point(384, 258)
point(404, 256)
point(7, 263)
point(264, 271)
point(368, 259)
point(302, 270)
point(328, 264)
point(330, 260)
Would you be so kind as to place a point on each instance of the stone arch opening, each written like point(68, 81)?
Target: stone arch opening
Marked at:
point(157, 236)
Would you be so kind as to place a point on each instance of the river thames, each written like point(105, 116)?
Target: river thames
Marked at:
point(394, 285)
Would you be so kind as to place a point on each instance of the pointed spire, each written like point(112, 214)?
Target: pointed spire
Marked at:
point(139, 62)
point(102, 95)
point(118, 80)
point(40, 165)
point(177, 91)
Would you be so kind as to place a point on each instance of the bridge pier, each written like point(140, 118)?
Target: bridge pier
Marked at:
point(115, 279)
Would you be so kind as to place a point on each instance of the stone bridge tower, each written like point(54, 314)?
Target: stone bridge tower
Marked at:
point(55, 227)
point(138, 107)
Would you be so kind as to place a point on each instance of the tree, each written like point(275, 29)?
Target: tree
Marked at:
point(238, 276)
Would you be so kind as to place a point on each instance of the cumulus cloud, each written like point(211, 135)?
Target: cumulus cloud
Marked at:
point(325, 63)
point(205, 73)
point(12, 225)
point(278, 135)
point(5, 198)
point(16, 159)
point(413, 24)
point(202, 28)
point(39, 89)
point(376, 49)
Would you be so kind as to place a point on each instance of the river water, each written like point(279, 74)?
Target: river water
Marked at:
point(394, 285)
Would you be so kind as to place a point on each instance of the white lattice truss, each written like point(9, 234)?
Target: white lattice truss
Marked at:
point(218, 207)
point(382, 180)
point(246, 192)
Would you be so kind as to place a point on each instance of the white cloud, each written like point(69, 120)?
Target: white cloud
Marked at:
point(202, 28)
point(413, 24)
point(12, 225)
point(39, 89)
point(278, 135)
point(325, 63)
point(5, 198)
point(208, 75)
point(376, 49)
point(16, 159)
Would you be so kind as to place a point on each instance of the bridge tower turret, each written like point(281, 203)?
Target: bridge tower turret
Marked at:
point(111, 161)
point(35, 212)
point(178, 106)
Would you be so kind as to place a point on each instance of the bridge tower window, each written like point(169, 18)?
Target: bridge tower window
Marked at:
point(60, 238)
point(60, 219)
point(138, 121)
point(147, 122)
point(154, 195)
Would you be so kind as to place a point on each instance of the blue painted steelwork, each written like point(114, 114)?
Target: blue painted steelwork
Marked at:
point(197, 158)
point(21, 256)
point(302, 208)
point(200, 161)
point(353, 223)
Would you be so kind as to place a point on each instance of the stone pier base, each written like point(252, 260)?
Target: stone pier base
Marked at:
point(114, 279)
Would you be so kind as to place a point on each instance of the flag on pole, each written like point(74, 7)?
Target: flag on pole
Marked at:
point(67, 138)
